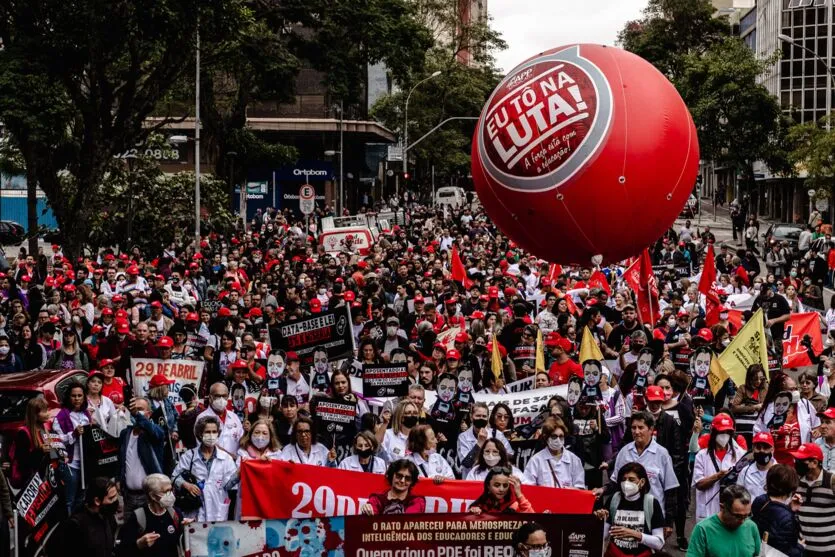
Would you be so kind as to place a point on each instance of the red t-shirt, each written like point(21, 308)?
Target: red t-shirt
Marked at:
point(116, 386)
point(786, 439)
point(561, 373)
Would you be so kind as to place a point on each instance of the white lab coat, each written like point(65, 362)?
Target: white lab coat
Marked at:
point(215, 497)
point(395, 445)
point(435, 466)
point(353, 463)
point(656, 461)
point(318, 455)
point(467, 440)
point(231, 430)
point(707, 501)
point(568, 468)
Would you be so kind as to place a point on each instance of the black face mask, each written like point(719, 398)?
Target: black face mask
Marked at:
point(479, 423)
point(365, 453)
point(762, 458)
point(802, 467)
point(409, 421)
point(109, 510)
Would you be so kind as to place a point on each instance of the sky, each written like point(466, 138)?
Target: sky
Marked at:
point(532, 26)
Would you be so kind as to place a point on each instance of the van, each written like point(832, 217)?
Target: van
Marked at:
point(334, 240)
point(455, 198)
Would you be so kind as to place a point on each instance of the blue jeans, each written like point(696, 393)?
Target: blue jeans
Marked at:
point(72, 488)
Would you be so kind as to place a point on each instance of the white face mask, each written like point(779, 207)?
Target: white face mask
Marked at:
point(544, 552)
point(726, 342)
point(260, 441)
point(629, 489)
point(555, 443)
point(492, 459)
point(167, 500)
point(671, 322)
point(391, 331)
point(4, 350)
point(218, 404)
point(210, 439)
point(723, 439)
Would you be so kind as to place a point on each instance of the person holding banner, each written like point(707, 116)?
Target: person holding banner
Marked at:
point(212, 469)
point(421, 445)
point(789, 418)
point(102, 409)
point(304, 449)
point(363, 460)
point(555, 466)
point(68, 426)
point(492, 453)
point(402, 475)
point(502, 494)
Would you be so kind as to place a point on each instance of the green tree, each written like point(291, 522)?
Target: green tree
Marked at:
point(670, 30)
point(813, 150)
point(460, 90)
point(737, 119)
point(79, 78)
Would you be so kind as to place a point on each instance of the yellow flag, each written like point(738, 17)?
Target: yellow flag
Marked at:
point(588, 348)
point(496, 360)
point(717, 375)
point(540, 351)
point(749, 347)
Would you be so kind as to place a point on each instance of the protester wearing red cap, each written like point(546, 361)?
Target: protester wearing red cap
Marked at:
point(789, 418)
point(713, 464)
point(562, 366)
point(826, 441)
point(753, 476)
point(817, 510)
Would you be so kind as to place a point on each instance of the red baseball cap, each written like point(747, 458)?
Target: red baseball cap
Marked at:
point(133, 270)
point(118, 298)
point(159, 380)
point(105, 362)
point(764, 438)
point(95, 373)
point(493, 292)
point(828, 413)
point(122, 315)
point(418, 298)
point(116, 397)
point(705, 334)
point(192, 316)
point(255, 312)
point(222, 312)
point(722, 422)
point(165, 342)
point(453, 355)
point(808, 451)
point(484, 298)
point(545, 282)
point(363, 264)
point(122, 327)
point(315, 305)
point(107, 311)
point(656, 394)
point(350, 296)
point(292, 357)
point(477, 315)
point(502, 349)
point(464, 337)
point(238, 364)
point(156, 304)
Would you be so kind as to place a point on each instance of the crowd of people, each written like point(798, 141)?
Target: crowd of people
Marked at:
point(641, 428)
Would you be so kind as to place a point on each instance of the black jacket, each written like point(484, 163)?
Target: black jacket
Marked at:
point(87, 533)
point(781, 524)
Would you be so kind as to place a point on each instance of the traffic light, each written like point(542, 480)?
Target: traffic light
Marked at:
point(405, 175)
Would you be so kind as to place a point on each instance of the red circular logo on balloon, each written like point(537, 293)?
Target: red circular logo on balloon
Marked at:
point(544, 121)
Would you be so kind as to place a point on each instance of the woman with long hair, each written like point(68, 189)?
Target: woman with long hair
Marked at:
point(32, 442)
point(789, 418)
point(286, 419)
point(404, 418)
point(68, 426)
point(70, 356)
point(502, 494)
point(748, 401)
point(492, 453)
point(501, 419)
point(713, 463)
point(31, 352)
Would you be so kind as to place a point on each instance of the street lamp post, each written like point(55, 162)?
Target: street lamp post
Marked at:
point(786, 39)
point(406, 119)
point(197, 146)
point(339, 190)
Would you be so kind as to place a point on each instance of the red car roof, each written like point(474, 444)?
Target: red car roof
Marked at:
point(33, 380)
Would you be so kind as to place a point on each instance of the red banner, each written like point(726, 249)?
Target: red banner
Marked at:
point(279, 489)
point(641, 280)
point(799, 325)
point(707, 286)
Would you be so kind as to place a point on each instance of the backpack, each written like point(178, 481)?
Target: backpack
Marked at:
point(649, 506)
point(142, 522)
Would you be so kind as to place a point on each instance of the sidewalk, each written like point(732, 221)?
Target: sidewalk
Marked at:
point(722, 221)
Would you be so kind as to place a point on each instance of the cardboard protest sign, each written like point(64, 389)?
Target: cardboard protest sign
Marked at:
point(329, 331)
point(385, 380)
point(101, 453)
point(525, 405)
point(40, 509)
point(182, 372)
point(334, 416)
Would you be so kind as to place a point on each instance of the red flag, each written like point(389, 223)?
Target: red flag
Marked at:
point(459, 274)
point(554, 271)
point(707, 286)
point(798, 326)
point(599, 280)
point(640, 278)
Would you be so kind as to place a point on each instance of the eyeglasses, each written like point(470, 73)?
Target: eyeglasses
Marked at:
point(403, 477)
point(502, 417)
point(302, 432)
point(738, 516)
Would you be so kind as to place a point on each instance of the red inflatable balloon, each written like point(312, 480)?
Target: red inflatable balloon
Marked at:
point(584, 150)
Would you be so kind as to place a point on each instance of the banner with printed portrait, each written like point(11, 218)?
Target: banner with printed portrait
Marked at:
point(329, 331)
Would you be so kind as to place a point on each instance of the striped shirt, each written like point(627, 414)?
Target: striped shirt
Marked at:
point(817, 513)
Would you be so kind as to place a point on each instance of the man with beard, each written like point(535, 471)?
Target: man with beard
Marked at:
point(620, 332)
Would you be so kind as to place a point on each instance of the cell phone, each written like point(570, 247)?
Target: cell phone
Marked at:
point(127, 392)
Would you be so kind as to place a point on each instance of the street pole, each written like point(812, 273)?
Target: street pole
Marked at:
point(197, 147)
point(433, 185)
point(341, 159)
point(406, 114)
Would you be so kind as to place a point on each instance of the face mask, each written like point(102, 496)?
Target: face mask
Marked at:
point(629, 489)
point(795, 397)
point(793, 273)
point(391, 331)
point(807, 282)
point(671, 322)
point(167, 500)
point(722, 439)
point(4, 350)
point(555, 443)
point(364, 453)
point(827, 371)
point(218, 404)
point(322, 291)
point(802, 467)
point(260, 441)
point(479, 423)
point(762, 458)
point(492, 459)
point(723, 316)
point(210, 439)
point(409, 421)
point(109, 509)
point(544, 552)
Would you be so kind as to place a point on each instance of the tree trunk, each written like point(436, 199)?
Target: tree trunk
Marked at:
point(32, 206)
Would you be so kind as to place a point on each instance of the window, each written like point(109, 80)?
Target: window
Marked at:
point(820, 3)
point(808, 99)
point(820, 98)
point(810, 17)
